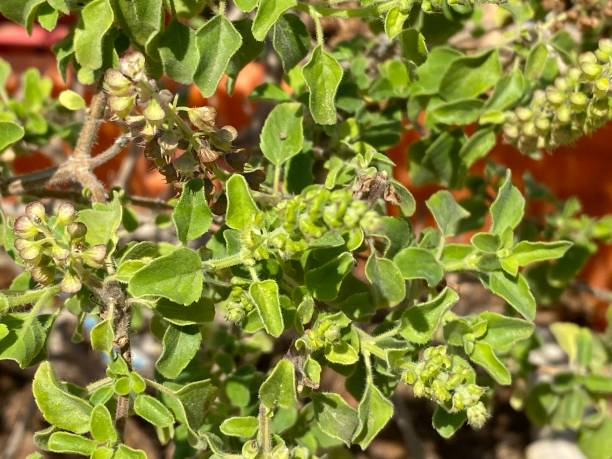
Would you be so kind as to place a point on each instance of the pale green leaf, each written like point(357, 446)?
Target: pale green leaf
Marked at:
point(268, 12)
point(291, 40)
point(65, 442)
point(178, 52)
point(508, 208)
point(96, 20)
point(446, 212)
point(191, 215)
point(471, 76)
point(515, 290)
point(278, 390)
point(9, 134)
point(71, 100)
point(241, 208)
point(179, 347)
point(386, 279)
point(266, 299)
point(322, 74)
point(101, 425)
point(374, 411)
point(335, 416)
point(421, 321)
point(417, 263)
point(282, 136)
point(484, 356)
point(153, 411)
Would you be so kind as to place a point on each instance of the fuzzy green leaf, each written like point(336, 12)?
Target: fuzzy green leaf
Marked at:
point(446, 212)
point(387, 280)
point(282, 136)
point(445, 423)
point(374, 411)
point(9, 134)
point(471, 76)
point(58, 407)
point(525, 252)
point(178, 52)
point(239, 426)
point(241, 208)
point(179, 347)
point(218, 40)
point(504, 332)
point(27, 334)
point(266, 299)
point(290, 40)
point(322, 75)
point(140, 19)
point(103, 336)
point(484, 356)
point(153, 411)
point(65, 442)
point(421, 321)
point(278, 390)
point(101, 425)
point(413, 46)
point(515, 290)
point(508, 208)
point(96, 20)
point(324, 282)
point(417, 263)
point(176, 276)
point(268, 12)
point(335, 416)
point(71, 100)
point(191, 216)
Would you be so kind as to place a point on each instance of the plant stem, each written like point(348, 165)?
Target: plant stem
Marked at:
point(222, 263)
point(319, 29)
point(14, 298)
point(264, 440)
point(277, 177)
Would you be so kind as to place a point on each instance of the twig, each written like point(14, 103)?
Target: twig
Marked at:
point(127, 166)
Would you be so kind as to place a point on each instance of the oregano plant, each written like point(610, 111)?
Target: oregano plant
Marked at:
point(292, 255)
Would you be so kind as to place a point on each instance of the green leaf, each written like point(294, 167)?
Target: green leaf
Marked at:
point(71, 100)
point(504, 332)
point(471, 76)
point(103, 336)
point(458, 112)
point(536, 62)
point(268, 12)
point(566, 335)
point(96, 19)
point(179, 53)
point(486, 242)
point(597, 443)
point(176, 276)
point(335, 416)
point(101, 425)
point(125, 452)
point(102, 221)
point(266, 299)
point(21, 11)
point(26, 338)
point(478, 145)
point(322, 75)
point(218, 40)
point(421, 321)
point(240, 426)
point(598, 384)
point(446, 212)
point(430, 74)
point(394, 22)
point(140, 19)
point(278, 390)
point(199, 312)
point(9, 134)
point(417, 263)
point(282, 136)
point(191, 216)
point(58, 407)
point(291, 40)
point(179, 347)
point(102, 452)
point(153, 411)
point(525, 252)
point(190, 403)
point(407, 202)
point(47, 17)
point(374, 411)
point(246, 5)
point(386, 279)
point(508, 91)
point(412, 45)
point(445, 423)
point(248, 51)
point(484, 356)
point(508, 208)
point(241, 208)
point(515, 290)
point(324, 282)
point(341, 353)
point(64, 442)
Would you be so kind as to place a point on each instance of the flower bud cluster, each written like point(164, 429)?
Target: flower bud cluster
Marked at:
point(429, 6)
point(324, 333)
point(153, 115)
point(317, 211)
point(437, 377)
point(578, 103)
point(52, 246)
point(237, 305)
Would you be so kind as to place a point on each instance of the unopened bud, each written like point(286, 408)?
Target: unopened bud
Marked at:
point(94, 256)
point(524, 113)
point(76, 230)
point(203, 118)
point(70, 283)
point(35, 212)
point(116, 84)
point(65, 213)
point(578, 100)
point(43, 274)
point(24, 228)
point(154, 113)
point(59, 254)
point(132, 66)
point(168, 142)
point(121, 105)
point(592, 71)
point(564, 114)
